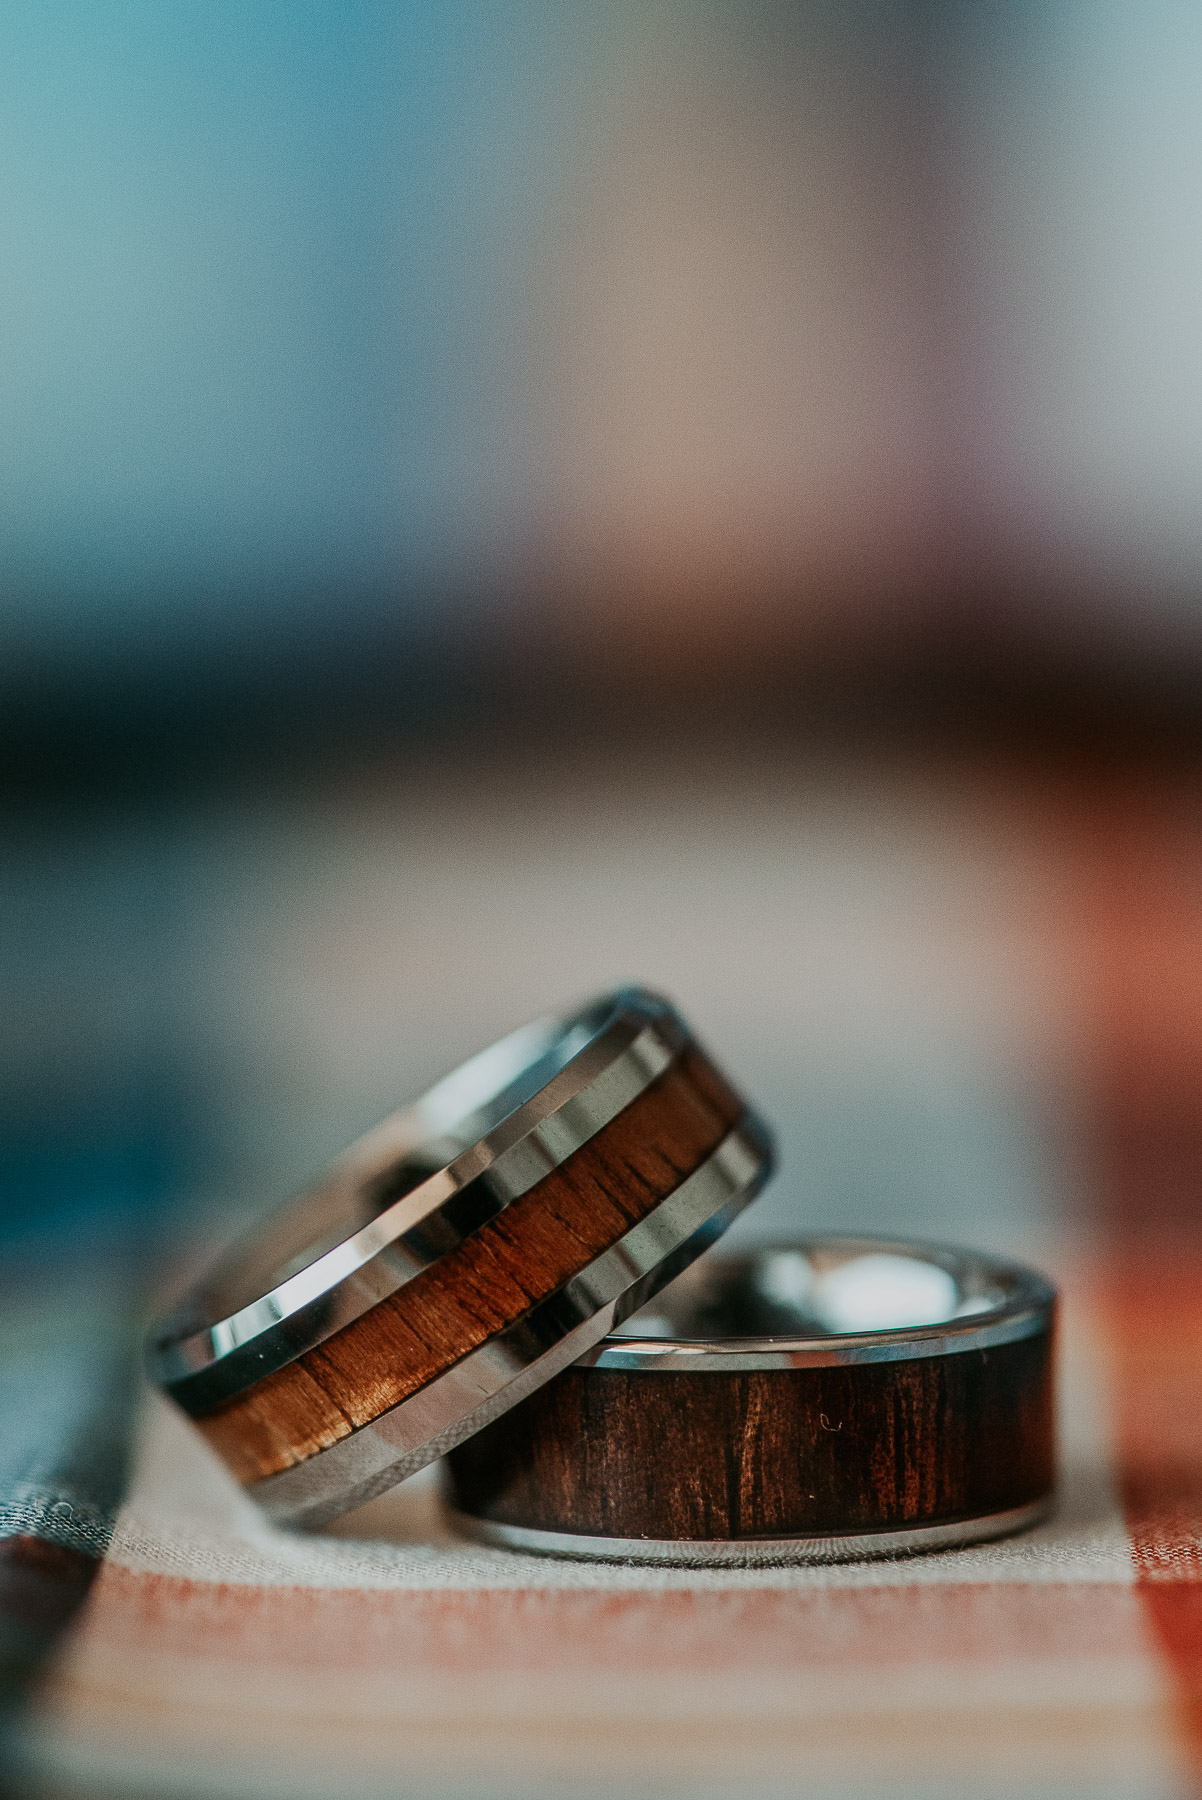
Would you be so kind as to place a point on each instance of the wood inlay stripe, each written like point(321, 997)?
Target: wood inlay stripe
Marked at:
point(487, 1283)
point(802, 1452)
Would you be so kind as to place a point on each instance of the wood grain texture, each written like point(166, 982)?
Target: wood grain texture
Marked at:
point(804, 1452)
point(484, 1285)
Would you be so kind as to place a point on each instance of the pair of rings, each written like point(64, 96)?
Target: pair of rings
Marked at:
point(468, 1279)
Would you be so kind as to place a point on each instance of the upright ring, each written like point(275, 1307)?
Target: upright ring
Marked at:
point(841, 1398)
point(461, 1254)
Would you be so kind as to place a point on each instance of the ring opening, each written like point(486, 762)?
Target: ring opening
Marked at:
point(832, 1287)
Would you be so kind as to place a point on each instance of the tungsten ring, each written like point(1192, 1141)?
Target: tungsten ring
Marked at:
point(462, 1254)
point(841, 1398)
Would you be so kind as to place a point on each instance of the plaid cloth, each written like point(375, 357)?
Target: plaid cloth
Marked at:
point(65, 1393)
point(215, 1656)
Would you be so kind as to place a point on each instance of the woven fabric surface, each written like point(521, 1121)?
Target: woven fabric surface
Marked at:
point(216, 1656)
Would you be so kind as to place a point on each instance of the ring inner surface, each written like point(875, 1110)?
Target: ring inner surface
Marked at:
point(840, 1287)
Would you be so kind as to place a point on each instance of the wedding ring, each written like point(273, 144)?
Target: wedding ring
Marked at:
point(842, 1398)
point(461, 1254)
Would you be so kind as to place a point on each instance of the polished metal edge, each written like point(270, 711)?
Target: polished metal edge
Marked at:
point(732, 1357)
point(207, 1367)
point(510, 1366)
point(758, 1552)
point(1024, 1306)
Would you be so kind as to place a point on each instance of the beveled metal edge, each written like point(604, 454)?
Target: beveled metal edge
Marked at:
point(1027, 1310)
point(639, 1040)
point(511, 1365)
point(762, 1552)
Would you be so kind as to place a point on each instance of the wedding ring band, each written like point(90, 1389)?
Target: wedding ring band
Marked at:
point(841, 1398)
point(461, 1254)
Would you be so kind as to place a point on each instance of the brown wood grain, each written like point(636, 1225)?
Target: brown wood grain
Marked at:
point(861, 1447)
point(484, 1285)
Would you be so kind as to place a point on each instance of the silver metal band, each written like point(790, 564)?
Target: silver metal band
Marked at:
point(410, 1191)
point(754, 1552)
point(988, 1302)
point(514, 1363)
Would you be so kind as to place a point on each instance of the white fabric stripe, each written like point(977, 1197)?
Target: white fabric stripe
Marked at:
point(186, 1517)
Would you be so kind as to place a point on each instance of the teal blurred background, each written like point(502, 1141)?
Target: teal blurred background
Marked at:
point(498, 499)
point(496, 334)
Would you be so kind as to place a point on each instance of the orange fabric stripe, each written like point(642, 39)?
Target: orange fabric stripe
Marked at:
point(1142, 1006)
point(458, 1632)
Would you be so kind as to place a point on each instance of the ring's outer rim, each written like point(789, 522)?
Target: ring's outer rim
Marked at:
point(754, 1552)
point(639, 1037)
point(1027, 1309)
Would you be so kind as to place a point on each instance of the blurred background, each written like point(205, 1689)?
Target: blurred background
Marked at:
point(500, 499)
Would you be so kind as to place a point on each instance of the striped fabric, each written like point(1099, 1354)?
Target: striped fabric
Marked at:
point(215, 1656)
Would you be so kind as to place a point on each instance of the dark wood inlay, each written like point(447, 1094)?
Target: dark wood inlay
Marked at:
point(802, 1452)
point(487, 1283)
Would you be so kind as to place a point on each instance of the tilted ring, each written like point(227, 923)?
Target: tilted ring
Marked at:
point(461, 1254)
point(840, 1398)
